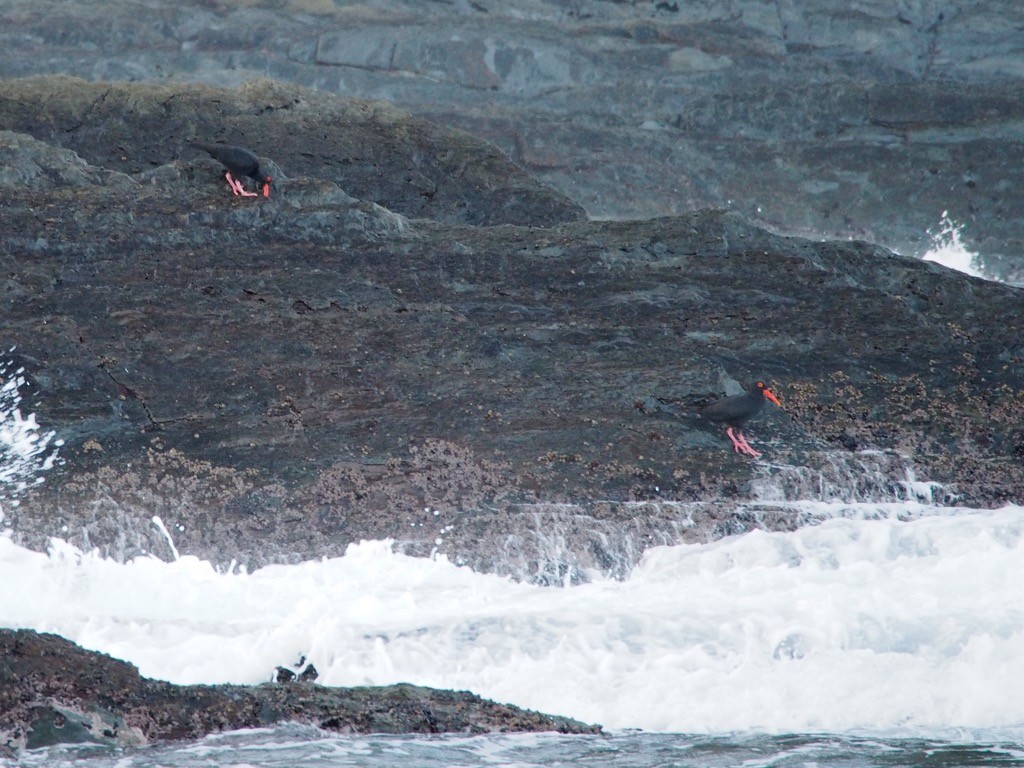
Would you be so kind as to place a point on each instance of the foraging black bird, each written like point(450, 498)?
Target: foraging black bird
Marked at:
point(737, 410)
point(237, 162)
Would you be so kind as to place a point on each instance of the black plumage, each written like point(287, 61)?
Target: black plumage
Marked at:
point(238, 162)
point(737, 410)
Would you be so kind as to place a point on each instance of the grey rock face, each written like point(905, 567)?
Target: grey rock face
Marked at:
point(413, 338)
point(383, 155)
point(281, 377)
point(810, 117)
point(26, 163)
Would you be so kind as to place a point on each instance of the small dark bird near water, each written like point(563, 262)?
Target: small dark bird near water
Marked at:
point(736, 411)
point(238, 162)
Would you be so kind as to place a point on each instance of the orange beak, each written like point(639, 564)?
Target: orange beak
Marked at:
point(266, 189)
point(768, 393)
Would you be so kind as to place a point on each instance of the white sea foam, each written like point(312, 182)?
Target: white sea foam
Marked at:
point(949, 249)
point(879, 625)
point(26, 451)
point(887, 616)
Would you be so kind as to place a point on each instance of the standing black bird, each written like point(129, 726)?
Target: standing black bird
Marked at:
point(736, 411)
point(237, 162)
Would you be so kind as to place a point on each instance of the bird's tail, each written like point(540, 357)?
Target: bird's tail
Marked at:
point(203, 145)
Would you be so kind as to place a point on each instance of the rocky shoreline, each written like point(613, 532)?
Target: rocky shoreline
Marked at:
point(414, 338)
point(279, 378)
point(54, 692)
point(807, 117)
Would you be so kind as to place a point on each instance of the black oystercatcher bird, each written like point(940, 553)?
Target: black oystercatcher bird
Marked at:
point(736, 411)
point(238, 162)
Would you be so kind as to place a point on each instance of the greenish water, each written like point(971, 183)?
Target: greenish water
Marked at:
point(290, 746)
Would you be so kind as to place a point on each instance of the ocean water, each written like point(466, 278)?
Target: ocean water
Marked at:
point(293, 746)
point(883, 626)
point(887, 633)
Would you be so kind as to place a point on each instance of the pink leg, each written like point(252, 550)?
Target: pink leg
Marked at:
point(236, 186)
point(740, 444)
point(749, 449)
point(737, 446)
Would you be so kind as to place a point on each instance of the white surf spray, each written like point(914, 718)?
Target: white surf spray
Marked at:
point(901, 616)
point(159, 524)
point(949, 250)
point(26, 451)
point(854, 625)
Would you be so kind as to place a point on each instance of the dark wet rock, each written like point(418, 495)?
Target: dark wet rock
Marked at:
point(54, 692)
point(372, 150)
point(365, 356)
point(305, 674)
point(29, 164)
point(807, 115)
point(276, 379)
